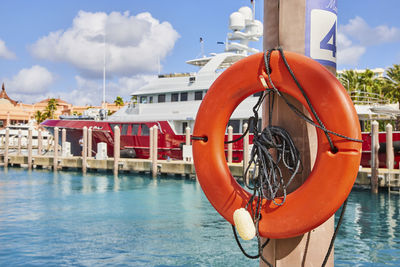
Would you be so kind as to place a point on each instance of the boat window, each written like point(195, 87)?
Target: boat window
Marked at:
point(235, 125)
point(150, 99)
point(184, 96)
point(184, 125)
point(161, 98)
point(143, 99)
point(124, 129)
point(174, 97)
point(112, 125)
point(251, 130)
point(198, 95)
point(135, 129)
point(257, 94)
point(145, 130)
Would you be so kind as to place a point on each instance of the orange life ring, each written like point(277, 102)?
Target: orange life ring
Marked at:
point(332, 176)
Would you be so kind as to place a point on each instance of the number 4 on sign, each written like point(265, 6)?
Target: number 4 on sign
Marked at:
point(327, 44)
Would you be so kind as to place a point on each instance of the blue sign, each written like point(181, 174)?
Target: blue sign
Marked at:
point(321, 30)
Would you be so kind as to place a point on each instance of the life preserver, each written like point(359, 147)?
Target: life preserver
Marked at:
point(332, 176)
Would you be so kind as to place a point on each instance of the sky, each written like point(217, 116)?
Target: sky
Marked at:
point(56, 48)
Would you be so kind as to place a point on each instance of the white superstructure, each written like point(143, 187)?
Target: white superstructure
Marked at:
point(176, 97)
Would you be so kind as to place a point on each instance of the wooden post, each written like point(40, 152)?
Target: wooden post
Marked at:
point(6, 147)
point(40, 142)
point(19, 141)
point(151, 148)
point(245, 150)
point(374, 156)
point(84, 149)
point(55, 148)
point(8, 119)
point(389, 153)
point(230, 145)
point(187, 135)
point(89, 139)
point(30, 148)
point(288, 23)
point(63, 137)
point(155, 153)
point(117, 142)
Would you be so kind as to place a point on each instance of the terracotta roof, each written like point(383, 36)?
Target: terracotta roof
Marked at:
point(4, 95)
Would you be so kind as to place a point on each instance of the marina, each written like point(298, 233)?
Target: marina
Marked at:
point(281, 149)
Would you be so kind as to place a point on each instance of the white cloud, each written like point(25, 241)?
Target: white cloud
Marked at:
point(358, 29)
point(29, 85)
point(134, 43)
point(5, 52)
point(347, 53)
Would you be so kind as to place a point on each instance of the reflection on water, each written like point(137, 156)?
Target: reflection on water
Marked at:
point(370, 232)
point(65, 218)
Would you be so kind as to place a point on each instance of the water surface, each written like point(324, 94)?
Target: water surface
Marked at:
point(56, 219)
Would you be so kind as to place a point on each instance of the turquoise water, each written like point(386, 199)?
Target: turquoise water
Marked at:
point(59, 219)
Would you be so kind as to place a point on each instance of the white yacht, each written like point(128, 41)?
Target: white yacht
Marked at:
point(176, 97)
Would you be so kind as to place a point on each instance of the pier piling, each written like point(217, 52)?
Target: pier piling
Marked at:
point(117, 145)
point(154, 167)
point(40, 142)
point(19, 141)
point(151, 144)
point(187, 136)
point(389, 153)
point(84, 150)
point(30, 148)
point(374, 156)
point(245, 150)
point(6, 147)
point(63, 138)
point(89, 142)
point(55, 148)
point(230, 145)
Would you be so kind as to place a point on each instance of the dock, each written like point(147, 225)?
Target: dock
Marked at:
point(125, 165)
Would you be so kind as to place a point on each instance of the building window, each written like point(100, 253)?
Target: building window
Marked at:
point(184, 125)
point(135, 129)
point(161, 98)
point(143, 99)
point(174, 97)
point(150, 99)
point(235, 125)
point(124, 130)
point(145, 130)
point(184, 96)
point(198, 95)
point(112, 125)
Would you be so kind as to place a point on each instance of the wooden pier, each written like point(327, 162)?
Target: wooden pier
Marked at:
point(170, 167)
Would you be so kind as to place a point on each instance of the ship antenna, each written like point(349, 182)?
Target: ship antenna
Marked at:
point(254, 9)
point(202, 46)
point(104, 71)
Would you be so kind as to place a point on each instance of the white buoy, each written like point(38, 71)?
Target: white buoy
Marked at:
point(244, 224)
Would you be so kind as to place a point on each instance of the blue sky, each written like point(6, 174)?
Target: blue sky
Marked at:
point(55, 48)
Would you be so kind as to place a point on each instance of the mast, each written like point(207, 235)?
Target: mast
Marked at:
point(104, 72)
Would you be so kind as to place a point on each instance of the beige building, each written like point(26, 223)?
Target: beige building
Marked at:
point(13, 112)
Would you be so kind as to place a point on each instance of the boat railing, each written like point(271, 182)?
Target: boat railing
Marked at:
point(368, 98)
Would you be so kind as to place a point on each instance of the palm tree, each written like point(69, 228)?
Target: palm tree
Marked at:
point(391, 86)
point(39, 116)
point(51, 107)
point(119, 101)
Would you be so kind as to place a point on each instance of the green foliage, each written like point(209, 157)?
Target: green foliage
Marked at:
point(39, 116)
point(51, 108)
point(119, 101)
